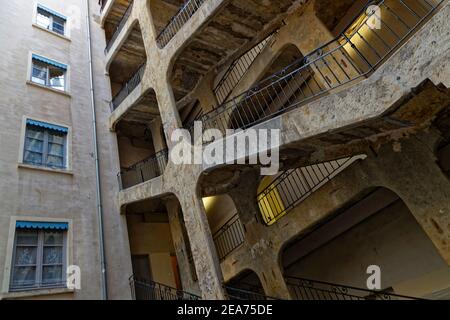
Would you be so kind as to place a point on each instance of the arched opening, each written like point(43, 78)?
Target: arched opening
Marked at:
point(160, 252)
point(226, 227)
point(142, 144)
point(245, 286)
point(378, 230)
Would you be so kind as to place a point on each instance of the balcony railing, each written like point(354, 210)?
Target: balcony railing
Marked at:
point(185, 12)
point(131, 84)
point(295, 185)
point(305, 289)
point(239, 68)
point(150, 290)
point(244, 294)
point(142, 171)
point(353, 55)
point(229, 237)
point(119, 27)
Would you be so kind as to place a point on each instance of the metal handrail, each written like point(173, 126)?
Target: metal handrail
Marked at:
point(241, 294)
point(345, 59)
point(129, 86)
point(119, 27)
point(306, 289)
point(229, 237)
point(144, 170)
point(150, 290)
point(239, 67)
point(184, 13)
point(295, 185)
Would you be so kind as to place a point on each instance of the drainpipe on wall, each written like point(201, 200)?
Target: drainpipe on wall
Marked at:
point(104, 294)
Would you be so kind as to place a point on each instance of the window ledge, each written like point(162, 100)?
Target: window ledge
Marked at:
point(39, 168)
point(52, 32)
point(35, 293)
point(64, 93)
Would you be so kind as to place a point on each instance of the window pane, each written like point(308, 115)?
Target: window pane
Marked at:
point(57, 138)
point(58, 25)
point(25, 256)
point(53, 255)
point(54, 161)
point(53, 238)
point(34, 145)
point(32, 157)
point(23, 276)
point(56, 149)
point(57, 78)
point(39, 75)
point(27, 237)
point(52, 274)
point(35, 133)
point(43, 19)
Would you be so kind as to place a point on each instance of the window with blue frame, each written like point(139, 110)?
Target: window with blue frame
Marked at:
point(50, 20)
point(39, 255)
point(48, 73)
point(45, 145)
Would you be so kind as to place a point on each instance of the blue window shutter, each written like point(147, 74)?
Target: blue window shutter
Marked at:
point(47, 126)
point(52, 12)
point(48, 61)
point(42, 225)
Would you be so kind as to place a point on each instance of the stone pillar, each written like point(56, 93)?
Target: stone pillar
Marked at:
point(411, 170)
point(176, 228)
point(244, 197)
point(157, 135)
point(204, 252)
point(272, 278)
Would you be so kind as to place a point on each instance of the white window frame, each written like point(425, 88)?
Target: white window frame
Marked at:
point(39, 265)
point(68, 147)
point(10, 249)
point(47, 79)
point(66, 33)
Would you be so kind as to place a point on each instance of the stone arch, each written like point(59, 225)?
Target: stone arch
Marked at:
point(387, 234)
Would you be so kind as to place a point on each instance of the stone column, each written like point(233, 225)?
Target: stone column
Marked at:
point(411, 171)
point(272, 278)
point(157, 138)
point(244, 196)
point(176, 228)
point(207, 263)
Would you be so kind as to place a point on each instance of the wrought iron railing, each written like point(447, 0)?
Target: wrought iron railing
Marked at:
point(185, 12)
point(305, 289)
point(230, 237)
point(142, 171)
point(131, 84)
point(238, 68)
point(295, 185)
point(119, 27)
point(243, 294)
point(151, 290)
point(355, 54)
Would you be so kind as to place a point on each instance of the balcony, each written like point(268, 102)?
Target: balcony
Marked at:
point(118, 26)
point(305, 289)
point(350, 57)
point(186, 11)
point(229, 237)
point(143, 171)
point(129, 86)
point(150, 290)
point(293, 186)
